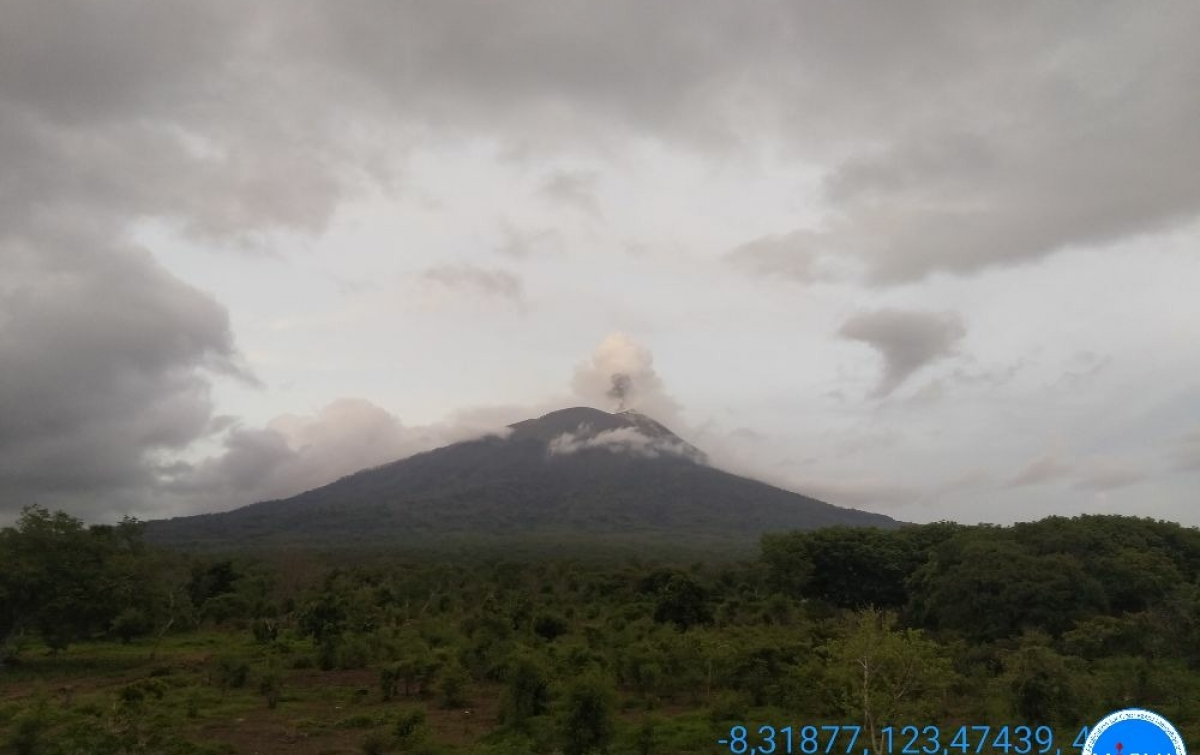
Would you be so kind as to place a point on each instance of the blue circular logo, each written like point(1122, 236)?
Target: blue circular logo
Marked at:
point(1134, 731)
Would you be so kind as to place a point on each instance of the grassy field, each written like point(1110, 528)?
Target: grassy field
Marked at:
point(188, 689)
point(203, 692)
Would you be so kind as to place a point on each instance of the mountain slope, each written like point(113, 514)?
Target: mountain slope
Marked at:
point(572, 472)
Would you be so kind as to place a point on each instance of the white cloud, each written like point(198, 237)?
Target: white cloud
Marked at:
point(621, 440)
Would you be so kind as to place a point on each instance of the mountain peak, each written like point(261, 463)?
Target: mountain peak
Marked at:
point(567, 431)
point(579, 471)
point(549, 426)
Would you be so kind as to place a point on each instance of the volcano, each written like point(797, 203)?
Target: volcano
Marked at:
point(572, 475)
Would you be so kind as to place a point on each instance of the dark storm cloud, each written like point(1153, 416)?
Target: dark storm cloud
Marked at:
point(906, 340)
point(112, 113)
point(968, 135)
point(74, 61)
point(105, 357)
point(180, 110)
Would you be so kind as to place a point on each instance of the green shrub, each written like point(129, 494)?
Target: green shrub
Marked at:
point(134, 694)
point(327, 653)
point(728, 706)
point(452, 686)
point(353, 654)
point(527, 691)
point(89, 709)
point(232, 672)
point(193, 703)
point(550, 626)
point(264, 630)
point(270, 686)
point(585, 716)
point(410, 727)
point(645, 739)
point(389, 680)
point(26, 735)
point(130, 623)
point(374, 744)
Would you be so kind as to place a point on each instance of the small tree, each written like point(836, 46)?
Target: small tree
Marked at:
point(1042, 683)
point(389, 678)
point(271, 686)
point(683, 602)
point(528, 692)
point(232, 672)
point(130, 623)
point(646, 737)
point(410, 727)
point(885, 674)
point(452, 686)
point(586, 716)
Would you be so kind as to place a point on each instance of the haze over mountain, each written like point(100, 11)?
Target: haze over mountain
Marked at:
point(570, 473)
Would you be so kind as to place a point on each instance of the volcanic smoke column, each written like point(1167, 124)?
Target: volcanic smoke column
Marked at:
point(622, 385)
point(621, 371)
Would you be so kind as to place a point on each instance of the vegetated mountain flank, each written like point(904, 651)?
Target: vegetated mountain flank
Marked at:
point(571, 473)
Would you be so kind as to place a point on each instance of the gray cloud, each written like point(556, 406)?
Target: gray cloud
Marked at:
point(490, 282)
point(112, 114)
point(294, 453)
point(1102, 474)
point(958, 130)
point(1048, 468)
point(792, 256)
point(572, 188)
point(941, 197)
point(110, 122)
point(1186, 454)
point(907, 340)
point(871, 494)
point(523, 243)
point(950, 137)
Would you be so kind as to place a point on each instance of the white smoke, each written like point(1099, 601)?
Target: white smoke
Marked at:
point(620, 375)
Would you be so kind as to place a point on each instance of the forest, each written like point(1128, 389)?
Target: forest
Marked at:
point(109, 645)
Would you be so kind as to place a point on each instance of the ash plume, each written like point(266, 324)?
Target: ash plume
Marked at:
point(621, 371)
point(622, 385)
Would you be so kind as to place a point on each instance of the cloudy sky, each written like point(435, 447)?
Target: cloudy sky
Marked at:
point(937, 260)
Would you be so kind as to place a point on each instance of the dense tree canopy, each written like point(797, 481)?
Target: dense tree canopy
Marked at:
point(1050, 622)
